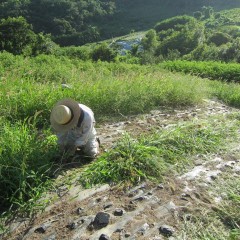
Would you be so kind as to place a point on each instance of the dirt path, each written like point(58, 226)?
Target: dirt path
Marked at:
point(148, 211)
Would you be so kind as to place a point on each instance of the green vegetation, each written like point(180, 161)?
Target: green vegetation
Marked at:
point(151, 156)
point(25, 161)
point(30, 87)
point(208, 36)
point(211, 70)
point(33, 66)
point(79, 22)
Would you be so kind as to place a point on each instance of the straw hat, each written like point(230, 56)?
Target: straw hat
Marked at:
point(65, 115)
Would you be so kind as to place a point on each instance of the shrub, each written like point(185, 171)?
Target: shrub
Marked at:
point(16, 35)
point(184, 41)
point(212, 70)
point(219, 38)
point(103, 53)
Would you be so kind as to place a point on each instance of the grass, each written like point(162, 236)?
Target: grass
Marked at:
point(221, 222)
point(108, 88)
point(150, 156)
point(25, 159)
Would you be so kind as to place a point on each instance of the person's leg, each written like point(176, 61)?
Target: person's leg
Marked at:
point(91, 148)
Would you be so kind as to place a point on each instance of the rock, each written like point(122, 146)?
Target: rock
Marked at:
point(166, 230)
point(118, 212)
point(127, 234)
point(80, 210)
point(71, 226)
point(42, 228)
point(104, 237)
point(160, 186)
point(101, 220)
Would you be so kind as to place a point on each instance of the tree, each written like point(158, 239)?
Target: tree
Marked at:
point(149, 42)
point(184, 39)
point(103, 53)
point(15, 35)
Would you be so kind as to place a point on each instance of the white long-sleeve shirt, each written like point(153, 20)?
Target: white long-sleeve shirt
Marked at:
point(79, 136)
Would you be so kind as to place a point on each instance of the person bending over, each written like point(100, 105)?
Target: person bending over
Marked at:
point(74, 126)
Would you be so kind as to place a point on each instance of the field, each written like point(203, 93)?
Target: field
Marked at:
point(29, 155)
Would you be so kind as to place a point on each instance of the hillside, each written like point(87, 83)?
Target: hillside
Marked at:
point(156, 127)
point(139, 15)
point(79, 22)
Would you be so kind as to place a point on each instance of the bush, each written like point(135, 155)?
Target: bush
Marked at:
point(103, 53)
point(16, 35)
point(184, 41)
point(219, 38)
point(211, 70)
point(82, 53)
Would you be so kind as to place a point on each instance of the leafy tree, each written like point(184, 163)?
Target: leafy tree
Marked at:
point(207, 11)
point(149, 42)
point(173, 23)
point(13, 8)
point(15, 35)
point(103, 53)
point(44, 45)
point(184, 40)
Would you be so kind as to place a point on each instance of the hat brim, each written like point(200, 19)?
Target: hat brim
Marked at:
point(76, 112)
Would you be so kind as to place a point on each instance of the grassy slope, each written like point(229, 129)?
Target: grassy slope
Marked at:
point(30, 86)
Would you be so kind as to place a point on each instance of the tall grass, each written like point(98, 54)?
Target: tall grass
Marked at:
point(26, 157)
point(211, 70)
point(108, 88)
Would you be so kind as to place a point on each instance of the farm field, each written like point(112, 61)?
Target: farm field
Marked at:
point(155, 126)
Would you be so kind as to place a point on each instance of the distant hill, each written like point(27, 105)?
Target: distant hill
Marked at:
point(76, 22)
point(140, 15)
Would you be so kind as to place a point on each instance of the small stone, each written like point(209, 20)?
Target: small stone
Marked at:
point(71, 226)
point(42, 228)
point(118, 212)
point(185, 195)
point(127, 234)
point(80, 210)
point(101, 220)
point(104, 237)
point(160, 186)
point(166, 230)
point(143, 228)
